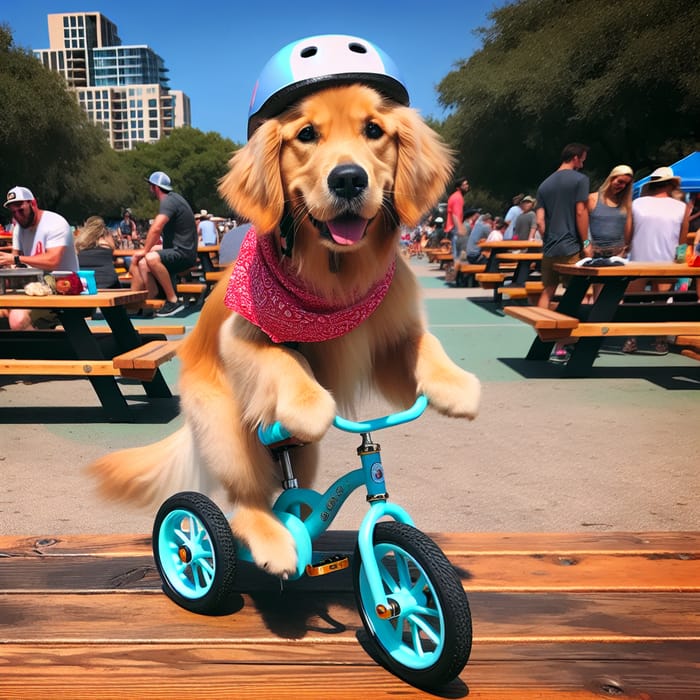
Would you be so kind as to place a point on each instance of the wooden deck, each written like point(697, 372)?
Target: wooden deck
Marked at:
point(590, 615)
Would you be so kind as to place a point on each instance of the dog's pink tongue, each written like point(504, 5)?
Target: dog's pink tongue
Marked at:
point(347, 231)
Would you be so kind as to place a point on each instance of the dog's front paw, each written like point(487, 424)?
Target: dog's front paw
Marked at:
point(459, 396)
point(275, 553)
point(307, 414)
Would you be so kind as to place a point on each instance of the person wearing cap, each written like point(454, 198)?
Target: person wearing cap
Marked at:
point(41, 239)
point(525, 226)
point(659, 225)
point(206, 229)
point(154, 266)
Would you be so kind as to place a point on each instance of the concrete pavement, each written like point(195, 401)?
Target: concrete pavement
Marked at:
point(617, 451)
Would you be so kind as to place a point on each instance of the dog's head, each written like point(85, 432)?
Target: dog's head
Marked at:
point(343, 163)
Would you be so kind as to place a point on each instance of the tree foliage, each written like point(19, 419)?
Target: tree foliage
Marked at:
point(45, 138)
point(194, 160)
point(622, 77)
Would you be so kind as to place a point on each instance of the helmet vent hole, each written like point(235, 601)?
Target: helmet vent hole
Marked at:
point(357, 48)
point(309, 51)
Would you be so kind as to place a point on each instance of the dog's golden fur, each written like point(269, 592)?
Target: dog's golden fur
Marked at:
point(233, 377)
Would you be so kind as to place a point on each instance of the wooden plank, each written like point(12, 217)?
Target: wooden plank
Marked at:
point(585, 330)
point(517, 257)
point(88, 368)
point(147, 356)
point(452, 543)
point(145, 330)
point(483, 572)
point(268, 618)
point(541, 318)
point(665, 672)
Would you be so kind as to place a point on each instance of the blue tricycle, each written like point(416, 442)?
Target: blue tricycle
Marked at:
point(409, 596)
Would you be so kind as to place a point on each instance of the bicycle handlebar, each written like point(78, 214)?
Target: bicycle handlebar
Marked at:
point(276, 432)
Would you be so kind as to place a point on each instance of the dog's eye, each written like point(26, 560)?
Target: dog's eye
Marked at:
point(307, 134)
point(373, 131)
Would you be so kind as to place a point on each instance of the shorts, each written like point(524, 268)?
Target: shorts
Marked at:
point(550, 277)
point(175, 261)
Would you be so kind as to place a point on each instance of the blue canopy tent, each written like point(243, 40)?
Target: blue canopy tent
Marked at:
point(687, 169)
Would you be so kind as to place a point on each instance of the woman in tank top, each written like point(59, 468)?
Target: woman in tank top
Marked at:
point(610, 214)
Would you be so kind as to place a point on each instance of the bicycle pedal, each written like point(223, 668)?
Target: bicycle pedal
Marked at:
point(328, 566)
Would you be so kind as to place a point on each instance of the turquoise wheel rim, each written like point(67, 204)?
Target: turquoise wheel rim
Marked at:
point(416, 637)
point(186, 553)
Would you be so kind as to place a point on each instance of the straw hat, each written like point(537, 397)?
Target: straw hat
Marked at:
point(664, 174)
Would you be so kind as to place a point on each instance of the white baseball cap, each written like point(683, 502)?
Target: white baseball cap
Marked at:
point(160, 179)
point(18, 194)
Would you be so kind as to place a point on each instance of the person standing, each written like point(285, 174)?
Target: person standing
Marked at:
point(562, 221)
point(454, 226)
point(41, 239)
point(659, 225)
point(610, 213)
point(511, 215)
point(128, 232)
point(153, 266)
point(206, 229)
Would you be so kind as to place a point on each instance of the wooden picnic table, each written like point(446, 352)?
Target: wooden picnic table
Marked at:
point(587, 325)
point(556, 616)
point(77, 351)
point(495, 248)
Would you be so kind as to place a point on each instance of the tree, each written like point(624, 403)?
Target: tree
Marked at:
point(45, 138)
point(619, 76)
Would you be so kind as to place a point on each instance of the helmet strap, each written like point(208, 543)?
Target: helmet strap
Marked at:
point(287, 232)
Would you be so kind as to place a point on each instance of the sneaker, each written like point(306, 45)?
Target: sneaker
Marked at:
point(560, 356)
point(170, 308)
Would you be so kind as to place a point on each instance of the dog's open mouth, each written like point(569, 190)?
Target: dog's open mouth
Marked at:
point(344, 230)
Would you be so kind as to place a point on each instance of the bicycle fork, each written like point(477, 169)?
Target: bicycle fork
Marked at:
point(370, 456)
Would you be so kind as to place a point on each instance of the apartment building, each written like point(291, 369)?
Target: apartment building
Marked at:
point(124, 89)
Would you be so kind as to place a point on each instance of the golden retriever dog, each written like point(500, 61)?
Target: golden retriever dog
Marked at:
point(344, 166)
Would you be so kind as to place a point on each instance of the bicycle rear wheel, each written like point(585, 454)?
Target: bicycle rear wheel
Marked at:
point(195, 552)
point(427, 639)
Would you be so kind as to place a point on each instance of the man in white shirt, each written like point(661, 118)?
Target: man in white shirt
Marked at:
point(41, 239)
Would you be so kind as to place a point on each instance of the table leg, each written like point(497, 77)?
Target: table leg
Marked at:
point(86, 347)
point(570, 304)
point(585, 351)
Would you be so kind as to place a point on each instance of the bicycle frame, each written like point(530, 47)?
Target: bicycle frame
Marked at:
point(323, 507)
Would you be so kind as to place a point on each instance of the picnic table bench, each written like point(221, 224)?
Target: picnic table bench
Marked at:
point(589, 324)
point(78, 351)
point(556, 615)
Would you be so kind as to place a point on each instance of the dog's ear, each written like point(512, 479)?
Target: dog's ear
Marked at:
point(253, 185)
point(423, 169)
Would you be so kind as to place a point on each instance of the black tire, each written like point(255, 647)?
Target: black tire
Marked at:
point(440, 605)
point(197, 572)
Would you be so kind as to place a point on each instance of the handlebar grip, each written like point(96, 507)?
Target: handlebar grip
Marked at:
point(270, 434)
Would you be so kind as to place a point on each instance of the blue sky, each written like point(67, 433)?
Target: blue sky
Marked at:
point(218, 48)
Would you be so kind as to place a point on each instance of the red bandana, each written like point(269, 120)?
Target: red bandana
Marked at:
point(275, 301)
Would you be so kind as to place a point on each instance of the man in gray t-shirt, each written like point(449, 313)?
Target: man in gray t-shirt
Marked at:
point(154, 265)
point(562, 217)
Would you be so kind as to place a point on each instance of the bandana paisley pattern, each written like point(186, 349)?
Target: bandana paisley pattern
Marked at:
point(271, 298)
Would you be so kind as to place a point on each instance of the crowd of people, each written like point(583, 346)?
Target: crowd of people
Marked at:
point(44, 240)
point(571, 221)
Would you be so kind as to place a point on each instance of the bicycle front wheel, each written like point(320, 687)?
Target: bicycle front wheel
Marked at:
point(427, 638)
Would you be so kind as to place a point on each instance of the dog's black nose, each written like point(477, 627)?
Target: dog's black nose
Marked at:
point(348, 180)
